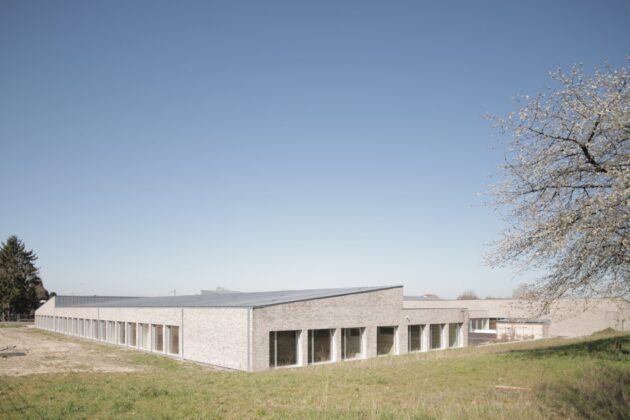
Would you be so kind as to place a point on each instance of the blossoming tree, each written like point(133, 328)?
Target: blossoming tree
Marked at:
point(567, 187)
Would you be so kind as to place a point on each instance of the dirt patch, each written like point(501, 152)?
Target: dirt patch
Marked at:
point(50, 353)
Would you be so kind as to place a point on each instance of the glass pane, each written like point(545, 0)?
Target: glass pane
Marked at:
point(436, 336)
point(121, 333)
point(158, 338)
point(415, 337)
point(173, 339)
point(319, 346)
point(385, 340)
point(144, 336)
point(132, 334)
point(112, 331)
point(351, 343)
point(453, 335)
point(286, 348)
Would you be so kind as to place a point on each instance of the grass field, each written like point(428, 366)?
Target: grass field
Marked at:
point(556, 378)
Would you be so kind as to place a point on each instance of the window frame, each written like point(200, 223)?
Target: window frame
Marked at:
point(344, 343)
point(311, 346)
point(274, 334)
point(422, 345)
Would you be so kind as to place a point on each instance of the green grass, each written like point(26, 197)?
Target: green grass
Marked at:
point(14, 324)
point(578, 378)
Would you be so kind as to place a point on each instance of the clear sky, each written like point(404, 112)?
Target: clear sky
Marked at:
point(152, 146)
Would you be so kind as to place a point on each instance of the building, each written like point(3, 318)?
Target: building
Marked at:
point(511, 319)
point(262, 330)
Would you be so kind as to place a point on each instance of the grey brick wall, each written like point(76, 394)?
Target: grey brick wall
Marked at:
point(366, 310)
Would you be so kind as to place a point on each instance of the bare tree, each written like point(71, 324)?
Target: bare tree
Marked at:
point(567, 186)
point(468, 295)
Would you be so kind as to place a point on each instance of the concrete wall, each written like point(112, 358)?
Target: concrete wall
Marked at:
point(510, 331)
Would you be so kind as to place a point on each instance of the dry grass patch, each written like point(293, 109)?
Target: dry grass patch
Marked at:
point(451, 384)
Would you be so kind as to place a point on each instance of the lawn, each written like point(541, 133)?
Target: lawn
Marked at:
point(555, 378)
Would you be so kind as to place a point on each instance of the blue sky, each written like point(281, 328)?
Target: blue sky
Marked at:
point(152, 146)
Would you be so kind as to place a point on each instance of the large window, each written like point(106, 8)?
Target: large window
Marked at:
point(351, 343)
point(415, 337)
point(158, 338)
point(173, 339)
point(131, 334)
point(454, 334)
point(319, 346)
point(283, 348)
point(95, 329)
point(144, 336)
point(385, 340)
point(436, 336)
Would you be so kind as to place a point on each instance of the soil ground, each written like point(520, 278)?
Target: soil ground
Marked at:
point(47, 353)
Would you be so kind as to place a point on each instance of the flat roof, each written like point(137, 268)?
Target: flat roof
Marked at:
point(226, 300)
point(421, 298)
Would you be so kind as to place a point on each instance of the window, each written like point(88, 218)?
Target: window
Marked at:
point(121, 333)
point(478, 324)
point(103, 328)
point(131, 334)
point(436, 336)
point(173, 339)
point(454, 332)
point(492, 324)
point(283, 348)
point(415, 337)
point(111, 331)
point(351, 343)
point(319, 346)
point(385, 340)
point(95, 325)
point(158, 338)
point(144, 336)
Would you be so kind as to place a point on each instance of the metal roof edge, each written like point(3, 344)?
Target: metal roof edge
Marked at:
point(356, 292)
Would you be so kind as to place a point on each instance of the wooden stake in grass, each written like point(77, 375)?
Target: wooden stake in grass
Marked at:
point(511, 388)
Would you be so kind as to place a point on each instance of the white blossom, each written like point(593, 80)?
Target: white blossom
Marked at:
point(567, 186)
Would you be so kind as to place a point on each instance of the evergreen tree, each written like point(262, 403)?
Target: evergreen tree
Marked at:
point(19, 278)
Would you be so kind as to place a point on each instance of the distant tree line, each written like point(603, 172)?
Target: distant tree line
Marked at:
point(21, 289)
